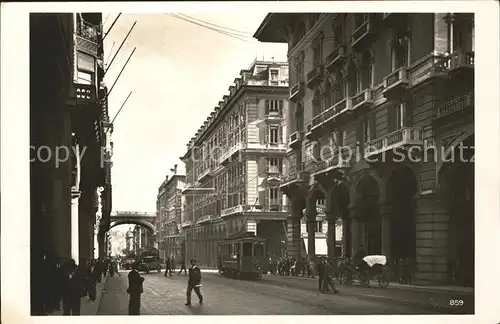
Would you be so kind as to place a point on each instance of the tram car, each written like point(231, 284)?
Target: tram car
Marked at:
point(243, 256)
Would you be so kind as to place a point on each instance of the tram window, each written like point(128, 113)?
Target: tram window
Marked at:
point(258, 249)
point(247, 249)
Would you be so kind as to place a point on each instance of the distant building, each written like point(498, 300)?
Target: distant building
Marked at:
point(234, 163)
point(168, 219)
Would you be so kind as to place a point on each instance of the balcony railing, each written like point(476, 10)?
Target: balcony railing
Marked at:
point(206, 173)
point(186, 224)
point(461, 60)
point(273, 169)
point(314, 76)
point(363, 98)
point(332, 159)
point(397, 80)
point(401, 137)
point(455, 105)
point(226, 155)
point(361, 32)
point(337, 109)
point(336, 57)
point(296, 90)
point(205, 219)
point(294, 174)
point(233, 210)
point(273, 205)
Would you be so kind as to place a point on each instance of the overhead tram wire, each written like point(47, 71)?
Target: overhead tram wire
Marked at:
point(215, 25)
point(230, 34)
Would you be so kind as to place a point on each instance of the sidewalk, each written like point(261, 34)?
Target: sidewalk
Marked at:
point(89, 307)
point(452, 289)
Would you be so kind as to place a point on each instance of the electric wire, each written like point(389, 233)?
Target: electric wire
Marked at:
point(215, 25)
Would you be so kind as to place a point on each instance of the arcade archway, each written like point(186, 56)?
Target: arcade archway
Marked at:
point(401, 189)
point(367, 195)
point(456, 178)
point(314, 218)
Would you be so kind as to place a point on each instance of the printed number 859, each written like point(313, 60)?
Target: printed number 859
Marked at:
point(456, 302)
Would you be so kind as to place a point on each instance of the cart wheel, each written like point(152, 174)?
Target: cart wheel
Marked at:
point(365, 282)
point(383, 280)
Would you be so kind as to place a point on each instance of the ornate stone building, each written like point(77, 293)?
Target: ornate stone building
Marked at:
point(391, 96)
point(168, 217)
point(234, 162)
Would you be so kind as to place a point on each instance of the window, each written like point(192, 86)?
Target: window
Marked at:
point(368, 129)
point(360, 19)
point(247, 249)
point(85, 77)
point(273, 135)
point(319, 227)
point(400, 51)
point(317, 103)
point(274, 197)
point(397, 116)
point(274, 75)
point(338, 35)
point(275, 106)
point(299, 117)
point(258, 249)
point(274, 164)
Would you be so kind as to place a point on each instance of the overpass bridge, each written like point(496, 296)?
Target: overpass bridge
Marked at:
point(133, 217)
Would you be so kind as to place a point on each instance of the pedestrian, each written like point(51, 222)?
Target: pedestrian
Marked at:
point(321, 275)
point(183, 267)
point(135, 290)
point(167, 267)
point(328, 279)
point(92, 280)
point(194, 283)
point(74, 288)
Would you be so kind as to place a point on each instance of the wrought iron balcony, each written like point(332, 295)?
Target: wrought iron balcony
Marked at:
point(295, 139)
point(293, 175)
point(396, 82)
point(336, 57)
point(274, 117)
point(88, 37)
point(233, 210)
point(362, 99)
point(336, 110)
point(403, 137)
point(314, 76)
point(186, 224)
point(362, 33)
point(205, 174)
point(296, 91)
point(333, 159)
point(455, 106)
point(273, 205)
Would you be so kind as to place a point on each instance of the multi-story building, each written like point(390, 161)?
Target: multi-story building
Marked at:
point(391, 96)
point(129, 241)
point(234, 162)
point(68, 113)
point(168, 217)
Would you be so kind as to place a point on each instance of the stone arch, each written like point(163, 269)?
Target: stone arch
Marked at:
point(413, 167)
point(338, 200)
point(315, 192)
point(142, 223)
point(357, 180)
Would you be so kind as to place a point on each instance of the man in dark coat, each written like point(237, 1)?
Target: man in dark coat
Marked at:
point(134, 290)
point(74, 288)
point(321, 274)
point(168, 268)
point(194, 283)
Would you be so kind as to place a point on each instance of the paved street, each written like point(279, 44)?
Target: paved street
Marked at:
point(274, 295)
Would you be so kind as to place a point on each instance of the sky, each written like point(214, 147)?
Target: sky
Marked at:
point(177, 75)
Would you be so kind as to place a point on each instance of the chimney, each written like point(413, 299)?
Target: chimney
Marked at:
point(166, 179)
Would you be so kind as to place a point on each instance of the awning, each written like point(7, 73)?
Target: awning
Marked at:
point(320, 211)
point(320, 246)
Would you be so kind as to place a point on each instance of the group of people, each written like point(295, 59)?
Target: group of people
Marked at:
point(66, 283)
point(170, 267)
point(135, 285)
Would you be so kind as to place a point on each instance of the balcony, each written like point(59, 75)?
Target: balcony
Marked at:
point(205, 219)
point(408, 136)
point(273, 169)
point(295, 139)
point(233, 210)
point(362, 33)
point(294, 175)
point(337, 110)
point(225, 157)
point(336, 58)
point(207, 173)
point(339, 159)
point(296, 91)
point(396, 82)
point(88, 37)
point(274, 117)
point(455, 106)
point(314, 76)
point(308, 130)
point(273, 205)
point(460, 63)
point(362, 99)
point(186, 224)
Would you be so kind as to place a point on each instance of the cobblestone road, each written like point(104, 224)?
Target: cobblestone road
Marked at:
point(271, 296)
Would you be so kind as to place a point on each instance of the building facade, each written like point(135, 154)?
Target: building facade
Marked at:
point(68, 114)
point(233, 165)
point(390, 96)
point(168, 217)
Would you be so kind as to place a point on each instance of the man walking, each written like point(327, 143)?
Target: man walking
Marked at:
point(74, 288)
point(194, 283)
point(134, 290)
point(183, 267)
point(168, 268)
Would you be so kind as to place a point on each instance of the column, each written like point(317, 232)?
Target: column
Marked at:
point(385, 212)
point(354, 227)
point(83, 220)
point(432, 240)
point(293, 231)
point(311, 237)
point(330, 238)
point(75, 196)
point(101, 244)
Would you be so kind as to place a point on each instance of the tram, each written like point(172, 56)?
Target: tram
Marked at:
point(243, 256)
